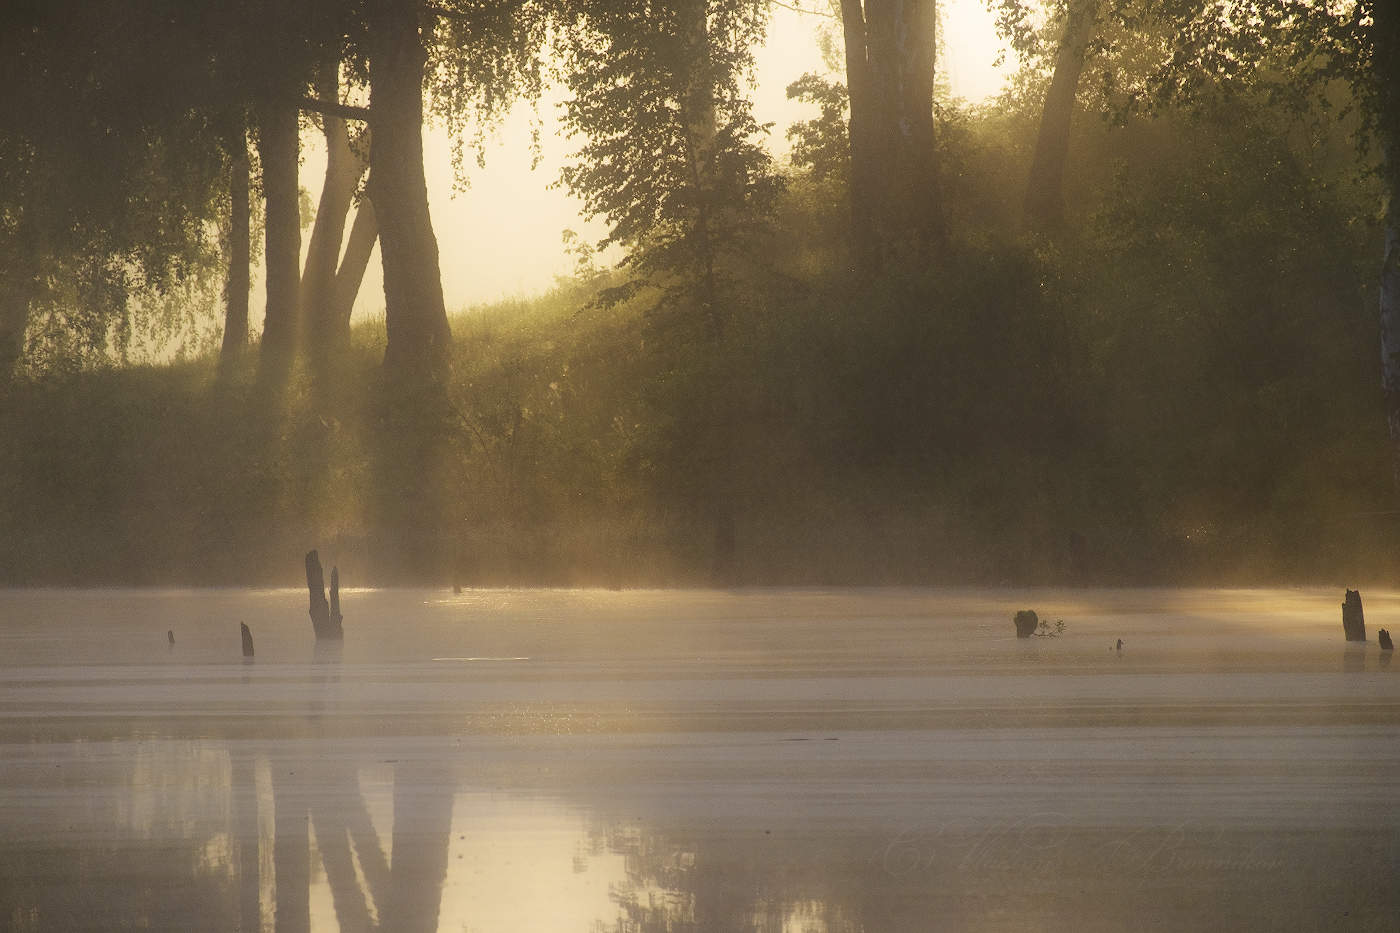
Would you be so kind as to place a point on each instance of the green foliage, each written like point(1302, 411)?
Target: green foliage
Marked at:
point(820, 146)
point(483, 58)
point(671, 159)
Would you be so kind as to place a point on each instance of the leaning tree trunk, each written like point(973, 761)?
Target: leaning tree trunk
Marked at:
point(239, 252)
point(346, 162)
point(891, 48)
point(278, 149)
point(1045, 199)
point(415, 315)
point(348, 278)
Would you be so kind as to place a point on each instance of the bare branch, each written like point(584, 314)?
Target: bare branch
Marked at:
point(334, 109)
point(798, 9)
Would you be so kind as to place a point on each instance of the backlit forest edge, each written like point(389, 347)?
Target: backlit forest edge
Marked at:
point(1119, 324)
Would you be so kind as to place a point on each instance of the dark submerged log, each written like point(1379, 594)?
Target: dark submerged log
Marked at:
point(1384, 638)
point(325, 616)
point(247, 639)
point(1026, 623)
point(1353, 621)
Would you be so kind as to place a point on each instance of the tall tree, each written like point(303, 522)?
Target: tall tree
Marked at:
point(347, 159)
point(1307, 46)
point(278, 151)
point(239, 249)
point(462, 61)
point(419, 338)
point(891, 48)
point(1045, 198)
point(1380, 72)
point(350, 274)
point(671, 161)
point(671, 158)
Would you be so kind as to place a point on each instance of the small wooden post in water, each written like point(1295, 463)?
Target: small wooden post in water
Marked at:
point(1353, 622)
point(247, 639)
point(325, 616)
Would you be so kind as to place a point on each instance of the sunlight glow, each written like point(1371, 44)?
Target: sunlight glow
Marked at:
point(501, 237)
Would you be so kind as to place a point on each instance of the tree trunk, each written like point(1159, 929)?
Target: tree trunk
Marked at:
point(891, 48)
point(864, 154)
point(419, 338)
point(1386, 59)
point(239, 250)
point(346, 162)
point(1390, 333)
point(14, 322)
point(351, 274)
point(701, 132)
point(1045, 199)
point(278, 147)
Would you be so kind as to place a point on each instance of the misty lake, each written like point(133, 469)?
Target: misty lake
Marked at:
point(796, 761)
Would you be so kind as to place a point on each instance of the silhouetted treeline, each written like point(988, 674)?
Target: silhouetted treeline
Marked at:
point(1117, 325)
point(1182, 387)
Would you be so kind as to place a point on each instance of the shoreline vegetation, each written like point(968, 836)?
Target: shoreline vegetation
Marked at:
point(573, 451)
point(937, 344)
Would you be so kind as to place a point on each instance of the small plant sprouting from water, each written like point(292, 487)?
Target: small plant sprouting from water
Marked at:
point(1045, 631)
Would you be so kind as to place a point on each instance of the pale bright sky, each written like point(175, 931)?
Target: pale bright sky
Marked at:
point(502, 237)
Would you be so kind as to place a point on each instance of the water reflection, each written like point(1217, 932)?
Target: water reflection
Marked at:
point(309, 835)
point(799, 774)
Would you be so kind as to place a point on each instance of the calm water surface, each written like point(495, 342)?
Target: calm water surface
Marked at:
point(784, 761)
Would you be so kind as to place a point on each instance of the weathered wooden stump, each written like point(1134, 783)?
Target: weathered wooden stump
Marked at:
point(1026, 623)
point(325, 616)
point(1353, 621)
point(247, 639)
point(1384, 638)
point(170, 636)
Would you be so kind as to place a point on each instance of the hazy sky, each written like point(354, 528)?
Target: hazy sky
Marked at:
point(502, 237)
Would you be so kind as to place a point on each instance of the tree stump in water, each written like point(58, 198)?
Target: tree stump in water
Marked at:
point(325, 616)
point(1383, 637)
point(247, 639)
point(1353, 622)
point(1026, 623)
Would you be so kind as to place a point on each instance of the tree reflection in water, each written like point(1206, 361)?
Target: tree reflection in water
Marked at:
point(193, 794)
point(682, 883)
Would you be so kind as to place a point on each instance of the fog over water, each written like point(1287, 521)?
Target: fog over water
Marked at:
point(812, 760)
